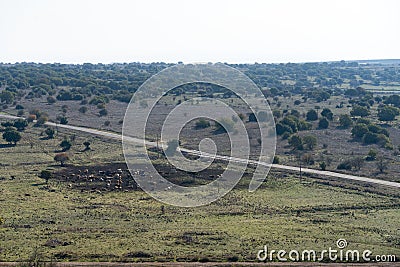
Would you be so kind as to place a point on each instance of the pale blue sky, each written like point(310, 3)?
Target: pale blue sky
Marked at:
point(76, 31)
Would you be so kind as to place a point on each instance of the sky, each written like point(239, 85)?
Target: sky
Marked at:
point(279, 31)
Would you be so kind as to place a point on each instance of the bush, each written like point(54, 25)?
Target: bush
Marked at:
point(202, 123)
point(359, 130)
point(312, 115)
point(61, 157)
point(46, 174)
point(50, 133)
point(310, 141)
point(371, 155)
point(345, 165)
point(323, 123)
point(65, 145)
point(276, 160)
point(295, 142)
point(83, 109)
point(322, 165)
point(327, 113)
point(103, 112)
point(11, 135)
point(359, 111)
point(224, 126)
point(345, 121)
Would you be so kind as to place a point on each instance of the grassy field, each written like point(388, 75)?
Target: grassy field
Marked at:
point(54, 221)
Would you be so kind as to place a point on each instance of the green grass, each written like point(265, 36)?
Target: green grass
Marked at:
point(284, 213)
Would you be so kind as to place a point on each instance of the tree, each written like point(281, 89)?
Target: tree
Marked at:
point(322, 165)
point(381, 164)
point(62, 158)
point(310, 141)
point(359, 111)
point(296, 142)
point(51, 100)
point(49, 132)
point(65, 144)
point(42, 120)
point(7, 97)
point(312, 115)
point(224, 126)
point(308, 159)
point(45, 174)
point(202, 123)
point(83, 109)
point(371, 155)
point(359, 130)
point(63, 120)
point(327, 113)
point(87, 145)
point(11, 135)
point(323, 123)
point(388, 113)
point(103, 112)
point(345, 121)
point(20, 124)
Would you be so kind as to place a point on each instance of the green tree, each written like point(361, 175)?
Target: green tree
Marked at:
point(310, 141)
point(312, 115)
point(20, 124)
point(61, 157)
point(323, 123)
point(7, 97)
point(11, 135)
point(103, 112)
point(202, 123)
point(359, 111)
point(327, 113)
point(296, 142)
point(345, 121)
point(388, 113)
point(87, 145)
point(359, 130)
point(49, 132)
point(83, 109)
point(65, 144)
point(45, 174)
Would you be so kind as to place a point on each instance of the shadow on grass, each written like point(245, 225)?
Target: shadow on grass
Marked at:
point(6, 145)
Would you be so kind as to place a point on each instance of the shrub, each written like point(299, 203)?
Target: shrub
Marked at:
point(65, 145)
point(310, 141)
point(371, 155)
point(11, 135)
point(276, 160)
point(61, 157)
point(312, 115)
point(323, 123)
point(345, 121)
point(202, 123)
point(345, 165)
point(327, 113)
point(322, 165)
point(49, 132)
point(224, 126)
point(295, 142)
point(45, 174)
point(103, 112)
point(83, 109)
